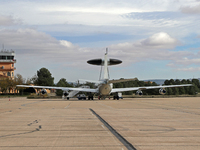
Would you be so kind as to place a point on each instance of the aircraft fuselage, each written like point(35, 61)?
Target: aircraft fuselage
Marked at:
point(105, 89)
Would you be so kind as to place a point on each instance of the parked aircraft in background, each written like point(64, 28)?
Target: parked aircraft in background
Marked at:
point(105, 86)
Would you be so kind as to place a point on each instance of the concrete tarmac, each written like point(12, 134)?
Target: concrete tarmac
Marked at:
point(146, 123)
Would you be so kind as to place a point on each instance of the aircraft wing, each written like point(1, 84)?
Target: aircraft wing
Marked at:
point(147, 87)
point(60, 88)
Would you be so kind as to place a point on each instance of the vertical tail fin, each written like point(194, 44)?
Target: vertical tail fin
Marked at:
point(106, 64)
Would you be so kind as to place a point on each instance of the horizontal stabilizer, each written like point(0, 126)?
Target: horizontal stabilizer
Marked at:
point(91, 81)
point(122, 80)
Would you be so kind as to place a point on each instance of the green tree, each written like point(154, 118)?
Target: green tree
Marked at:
point(177, 82)
point(33, 80)
point(175, 91)
point(181, 90)
point(196, 82)
point(166, 82)
point(169, 91)
point(44, 78)
point(172, 82)
point(62, 83)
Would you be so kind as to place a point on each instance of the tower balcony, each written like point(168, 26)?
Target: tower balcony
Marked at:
point(8, 61)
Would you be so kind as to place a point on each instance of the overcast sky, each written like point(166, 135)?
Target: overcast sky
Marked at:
point(158, 39)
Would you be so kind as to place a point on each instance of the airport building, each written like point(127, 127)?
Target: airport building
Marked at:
point(7, 68)
point(7, 62)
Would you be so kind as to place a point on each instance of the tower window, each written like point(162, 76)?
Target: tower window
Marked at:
point(8, 74)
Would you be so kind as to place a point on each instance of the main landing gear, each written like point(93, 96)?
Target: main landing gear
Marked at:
point(90, 98)
point(116, 97)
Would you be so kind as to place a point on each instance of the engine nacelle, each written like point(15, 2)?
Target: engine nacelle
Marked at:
point(162, 91)
point(139, 92)
point(43, 92)
point(65, 93)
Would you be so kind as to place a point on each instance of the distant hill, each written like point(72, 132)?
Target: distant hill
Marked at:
point(161, 81)
point(157, 81)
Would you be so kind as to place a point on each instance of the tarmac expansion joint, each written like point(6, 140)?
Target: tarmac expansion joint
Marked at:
point(128, 145)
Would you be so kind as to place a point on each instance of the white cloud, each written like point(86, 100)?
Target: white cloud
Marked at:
point(192, 69)
point(33, 43)
point(8, 20)
point(34, 48)
point(160, 39)
point(191, 9)
point(27, 39)
point(87, 12)
point(66, 43)
point(187, 61)
point(154, 47)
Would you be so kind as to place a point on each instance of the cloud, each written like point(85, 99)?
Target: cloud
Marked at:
point(32, 44)
point(186, 64)
point(161, 39)
point(191, 9)
point(34, 48)
point(8, 21)
point(87, 13)
point(192, 69)
point(154, 47)
point(187, 61)
point(27, 39)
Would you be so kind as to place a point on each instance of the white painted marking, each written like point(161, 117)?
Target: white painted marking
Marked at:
point(67, 105)
point(103, 126)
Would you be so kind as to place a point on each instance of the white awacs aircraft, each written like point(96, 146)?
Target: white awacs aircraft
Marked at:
point(105, 86)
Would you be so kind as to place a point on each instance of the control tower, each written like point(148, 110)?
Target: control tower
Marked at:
point(7, 62)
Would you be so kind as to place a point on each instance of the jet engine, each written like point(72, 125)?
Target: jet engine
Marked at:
point(162, 91)
point(139, 92)
point(43, 92)
point(65, 93)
